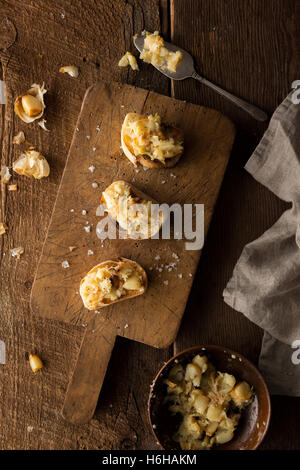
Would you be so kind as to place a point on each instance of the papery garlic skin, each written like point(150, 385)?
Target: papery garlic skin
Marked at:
point(30, 105)
point(19, 138)
point(42, 124)
point(72, 70)
point(17, 252)
point(3, 228)
point(5, 174)
point(32, 163)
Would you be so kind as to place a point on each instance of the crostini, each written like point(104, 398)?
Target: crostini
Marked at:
point(146, 140)
point(112, 281)
point(132, 209)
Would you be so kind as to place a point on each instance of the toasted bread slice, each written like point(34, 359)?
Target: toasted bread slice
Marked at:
point(112, 281)
point(166, 136)
point(132, 209)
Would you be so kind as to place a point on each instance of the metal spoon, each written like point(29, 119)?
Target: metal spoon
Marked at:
point(186, 69)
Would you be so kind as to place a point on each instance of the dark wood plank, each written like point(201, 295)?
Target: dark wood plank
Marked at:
point(250, 48)
point(51, 34)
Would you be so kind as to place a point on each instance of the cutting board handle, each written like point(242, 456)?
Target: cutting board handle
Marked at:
point(87, 379)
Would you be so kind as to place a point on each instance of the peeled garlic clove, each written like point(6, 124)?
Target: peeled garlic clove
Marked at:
point(19, 138)
point(5, 174)
point(30, 106)
point(72, 70)
point(32, 163)
point(128, 59)
point(35, 363)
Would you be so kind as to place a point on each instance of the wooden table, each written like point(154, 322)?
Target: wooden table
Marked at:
point(249, 47)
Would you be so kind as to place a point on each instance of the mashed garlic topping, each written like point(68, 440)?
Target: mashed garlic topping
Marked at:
point(209, 402)
point(145, 135)
point(157, 54)
point(106, 284)
point(133, 213)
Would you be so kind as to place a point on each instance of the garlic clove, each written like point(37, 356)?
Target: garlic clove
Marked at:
point(128, 59)
point(72, 70)
point(30, 105)
point(35, 363)
point(32, 163)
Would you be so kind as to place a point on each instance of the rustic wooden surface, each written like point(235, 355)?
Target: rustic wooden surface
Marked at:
point(250, 47)
point(154, 318)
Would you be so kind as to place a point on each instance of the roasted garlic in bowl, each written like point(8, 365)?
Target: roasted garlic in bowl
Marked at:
point(30, 105)
point(209, 397)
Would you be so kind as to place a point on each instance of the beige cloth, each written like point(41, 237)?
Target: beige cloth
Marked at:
point(265, 285)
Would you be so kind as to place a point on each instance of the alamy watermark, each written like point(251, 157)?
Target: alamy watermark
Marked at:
point(296, 94)
point(153, 221)
point(296, 354)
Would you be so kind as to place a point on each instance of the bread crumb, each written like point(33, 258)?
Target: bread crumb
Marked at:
point(65, 264)
point(19, 138)
point(92, 168)
point(95, 185)
point(84, 212)
point(87, 228)
point(90, 252)
point(72, 248)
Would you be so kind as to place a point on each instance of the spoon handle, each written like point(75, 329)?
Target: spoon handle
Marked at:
point(255, 112)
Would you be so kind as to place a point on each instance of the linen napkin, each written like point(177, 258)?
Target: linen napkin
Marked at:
point(265, 285)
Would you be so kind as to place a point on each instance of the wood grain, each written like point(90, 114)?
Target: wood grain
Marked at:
point(252, 49)
point(45, 41)
point(154, 318)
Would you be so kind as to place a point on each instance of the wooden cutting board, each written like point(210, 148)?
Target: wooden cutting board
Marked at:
point(153, 318)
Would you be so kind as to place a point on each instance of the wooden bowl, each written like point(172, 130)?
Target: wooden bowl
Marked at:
point(255, 418)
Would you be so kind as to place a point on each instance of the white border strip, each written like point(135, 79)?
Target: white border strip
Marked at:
point(2, 92)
